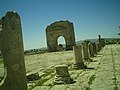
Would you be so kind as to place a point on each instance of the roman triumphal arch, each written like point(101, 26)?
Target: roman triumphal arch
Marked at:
point(57, 29)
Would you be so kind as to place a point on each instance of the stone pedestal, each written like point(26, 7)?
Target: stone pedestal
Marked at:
point(97, 48)
point(103, 42)
point(79, 64)
point(13, 53)
point(86, 53)
point(91, 49)
point(62, 75)
point(94, 48)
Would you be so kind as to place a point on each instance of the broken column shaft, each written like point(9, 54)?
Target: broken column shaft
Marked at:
point(94, 48)
point(90, 45)
point(79, 64)
point(13, 53)
point(62, 75)
point(86, 53)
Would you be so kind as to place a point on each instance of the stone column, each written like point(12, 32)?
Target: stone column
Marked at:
point(99, 46)
point(96, 44)
point(90, 45)
point(99, 38)
point(94, 48)
point(13, 53)
point(86, 53)
point(103, 42)
point(79, 64)
point(62, 75)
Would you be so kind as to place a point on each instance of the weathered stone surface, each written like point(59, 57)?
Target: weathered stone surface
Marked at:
point(99, 38)
point(106, 74)
point(57, 29)
point(94, 48)
point(13, 53)
point(97, 47)
point(0, 34)
point(101, 41)
point(79, 64)
point(86, 53)
point(62, 75)
point(33, 76)
point(90, 45)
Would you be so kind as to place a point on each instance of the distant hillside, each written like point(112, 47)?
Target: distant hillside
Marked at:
point(95, 40)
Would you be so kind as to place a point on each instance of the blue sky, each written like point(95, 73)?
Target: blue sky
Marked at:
point(90, 18)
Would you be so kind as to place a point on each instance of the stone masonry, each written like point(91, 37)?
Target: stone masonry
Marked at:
point(13, 53)
point(57, 29)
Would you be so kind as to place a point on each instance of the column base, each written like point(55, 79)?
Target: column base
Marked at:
point(63, 80)
point(79, 66)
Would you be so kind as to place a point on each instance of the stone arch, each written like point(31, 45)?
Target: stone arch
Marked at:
point(60, 28)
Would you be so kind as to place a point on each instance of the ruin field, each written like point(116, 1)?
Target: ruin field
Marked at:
point(103, 72)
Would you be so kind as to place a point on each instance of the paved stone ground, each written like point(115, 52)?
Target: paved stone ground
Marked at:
point(102, 74)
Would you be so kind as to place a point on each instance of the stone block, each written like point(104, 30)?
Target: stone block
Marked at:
point(62, 75)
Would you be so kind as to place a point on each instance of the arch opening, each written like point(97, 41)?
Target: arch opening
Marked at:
point(61, 43)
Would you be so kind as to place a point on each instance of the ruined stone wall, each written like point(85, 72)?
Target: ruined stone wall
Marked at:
point(57, 29)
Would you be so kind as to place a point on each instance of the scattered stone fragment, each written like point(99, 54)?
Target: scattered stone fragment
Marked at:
point(33, 76)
